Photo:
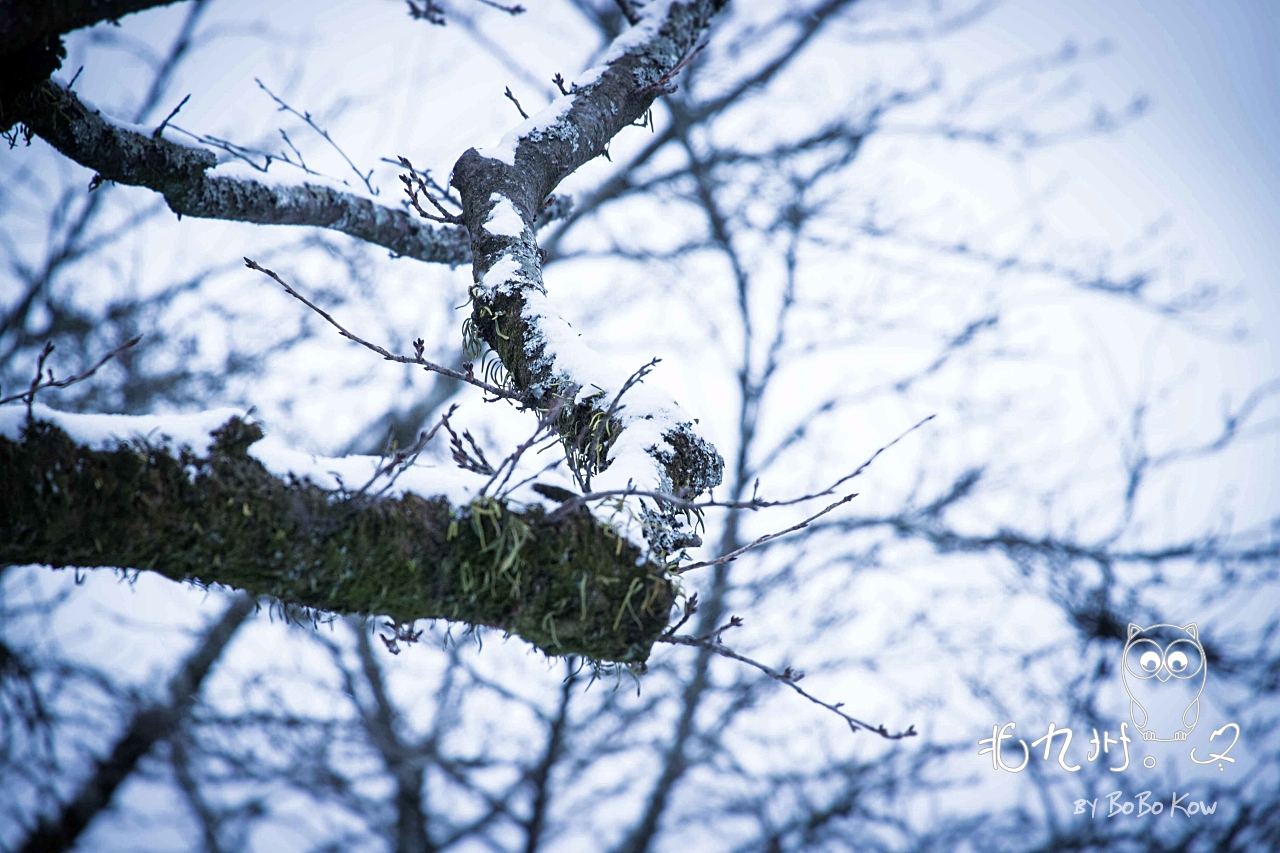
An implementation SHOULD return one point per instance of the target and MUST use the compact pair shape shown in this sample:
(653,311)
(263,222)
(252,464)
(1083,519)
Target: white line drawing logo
(1164,672)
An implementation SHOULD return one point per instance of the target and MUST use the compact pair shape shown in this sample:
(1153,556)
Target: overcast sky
(1209,151)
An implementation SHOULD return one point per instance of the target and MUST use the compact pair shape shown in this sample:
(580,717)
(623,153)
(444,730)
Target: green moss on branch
(568,586)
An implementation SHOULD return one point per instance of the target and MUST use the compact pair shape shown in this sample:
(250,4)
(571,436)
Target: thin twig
(856,471)
(787,676)
(401,460)
(306,117)
(754,503)
(419,182)
(38,385)
(465,460)
(512,99)
(690,608)
(663,85)
(546,426)
(389,356)
(155,134)
(733,555)
(591,444)
(245,154)
(513,10)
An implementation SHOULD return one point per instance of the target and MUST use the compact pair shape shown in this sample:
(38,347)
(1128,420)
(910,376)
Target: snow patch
(142,129)
(504,220)
(500,273)
(353,472)
(534,127)
(646,413)
(651,20)
(104,432)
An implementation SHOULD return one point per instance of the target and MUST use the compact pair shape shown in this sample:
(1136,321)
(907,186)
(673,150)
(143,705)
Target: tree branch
(23,22)
(177,172)
(568,586)
(509,307)
(787,676)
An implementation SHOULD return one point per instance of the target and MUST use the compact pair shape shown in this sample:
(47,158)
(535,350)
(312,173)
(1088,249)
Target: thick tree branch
(25,22)
(31,40)
(149,726)
(178,173)
(568,586)
(510,311)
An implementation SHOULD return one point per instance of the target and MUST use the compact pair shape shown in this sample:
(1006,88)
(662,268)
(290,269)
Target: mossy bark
(568,585)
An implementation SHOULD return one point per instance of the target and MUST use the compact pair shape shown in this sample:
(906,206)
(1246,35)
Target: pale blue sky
(1209,146)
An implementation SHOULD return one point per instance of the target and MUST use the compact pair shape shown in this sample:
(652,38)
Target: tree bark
(177,172)
(568,585)
(25,22)
(31,41)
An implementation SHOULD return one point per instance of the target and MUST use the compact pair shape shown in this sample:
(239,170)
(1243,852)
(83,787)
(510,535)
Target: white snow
(646,413)
(651,19)
(653,16)
(504,220)
(353,472)
(538,123)
(105,432)
(500,273)
(102,432)
(145,130)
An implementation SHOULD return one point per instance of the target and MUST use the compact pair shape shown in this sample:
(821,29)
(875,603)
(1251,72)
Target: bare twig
(663,85)
(155,134)
(247,155)
(733,555)
(461,455)
(546,428)
(402,459)
(856,471)
(421,182)
(306,117)
(690,608)
(389,356)
(427,11)
(513,10)
(787,676)
(755,503)
(512,99)
(38,384)
(590,439)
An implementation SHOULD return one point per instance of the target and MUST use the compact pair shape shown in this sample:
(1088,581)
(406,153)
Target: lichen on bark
(568,585)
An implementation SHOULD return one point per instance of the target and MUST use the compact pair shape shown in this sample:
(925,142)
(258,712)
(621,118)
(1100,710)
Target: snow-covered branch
(651,444)
(203,498)
(127,155)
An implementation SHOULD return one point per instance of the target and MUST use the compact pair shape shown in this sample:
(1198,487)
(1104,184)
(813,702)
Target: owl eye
(1144,658)
(1184,658)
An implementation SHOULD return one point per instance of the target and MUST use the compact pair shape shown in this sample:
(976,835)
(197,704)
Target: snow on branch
(650,444)
(203,498)
(130,155)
